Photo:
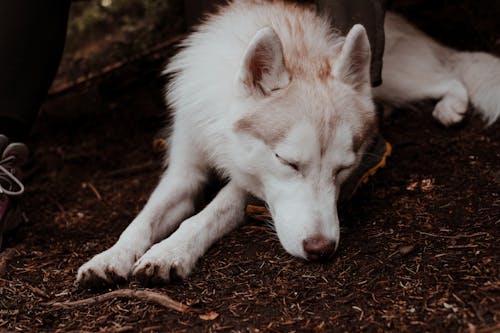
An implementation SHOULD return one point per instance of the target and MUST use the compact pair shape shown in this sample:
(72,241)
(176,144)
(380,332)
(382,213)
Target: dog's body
(268,96)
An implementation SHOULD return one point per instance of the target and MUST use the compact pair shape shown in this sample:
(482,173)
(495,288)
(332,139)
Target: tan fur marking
(325,71)
(327,127)
(264,127)
(289,24)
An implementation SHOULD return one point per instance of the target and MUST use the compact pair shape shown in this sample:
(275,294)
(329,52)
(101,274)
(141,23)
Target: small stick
(477,234)
(37,291)
(59,89)
(491,329)
(149,166)
(144,295)
(93,189)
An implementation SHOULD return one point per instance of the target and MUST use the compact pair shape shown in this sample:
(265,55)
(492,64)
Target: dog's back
(416,67)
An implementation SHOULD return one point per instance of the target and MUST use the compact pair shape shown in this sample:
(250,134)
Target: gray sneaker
(12,157)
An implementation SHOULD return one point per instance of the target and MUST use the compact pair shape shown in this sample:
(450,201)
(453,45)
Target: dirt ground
(419,244)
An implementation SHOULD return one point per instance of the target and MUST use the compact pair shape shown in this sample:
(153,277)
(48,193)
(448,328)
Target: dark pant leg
(370,13)
(32,34)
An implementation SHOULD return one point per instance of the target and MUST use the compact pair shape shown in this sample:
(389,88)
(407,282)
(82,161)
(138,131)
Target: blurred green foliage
(104,31)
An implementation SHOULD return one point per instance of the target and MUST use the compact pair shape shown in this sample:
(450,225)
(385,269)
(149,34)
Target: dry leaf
(209,316)
(404,250)
(160,145)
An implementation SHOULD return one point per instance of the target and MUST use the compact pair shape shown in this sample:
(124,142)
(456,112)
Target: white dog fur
(270,97)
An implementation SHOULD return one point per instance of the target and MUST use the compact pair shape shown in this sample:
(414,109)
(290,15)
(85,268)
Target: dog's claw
(109,267)
(173,275)
(91,280)
(149,275)
(115,277)
(161,266)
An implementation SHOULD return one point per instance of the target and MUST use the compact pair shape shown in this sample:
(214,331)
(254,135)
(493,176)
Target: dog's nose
(319,248)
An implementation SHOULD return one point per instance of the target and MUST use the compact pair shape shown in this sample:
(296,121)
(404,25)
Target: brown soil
(419,248)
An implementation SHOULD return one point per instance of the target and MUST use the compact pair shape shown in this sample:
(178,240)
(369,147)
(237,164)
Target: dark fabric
(370,13)
(195,9)
(32,34)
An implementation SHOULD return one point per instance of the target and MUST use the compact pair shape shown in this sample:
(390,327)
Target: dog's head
(301,134)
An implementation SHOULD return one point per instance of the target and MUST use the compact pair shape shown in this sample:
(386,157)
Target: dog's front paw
(112,266)
(450,111)
(164,262)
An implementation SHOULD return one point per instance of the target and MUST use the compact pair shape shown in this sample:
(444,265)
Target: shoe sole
(19,151)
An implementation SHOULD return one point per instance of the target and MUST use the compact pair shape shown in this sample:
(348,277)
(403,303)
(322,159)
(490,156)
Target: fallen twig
(37,291)
(144,295)
(455,236)
(9,312)
(491,329)
(93,189)
(129,171)
(64,87)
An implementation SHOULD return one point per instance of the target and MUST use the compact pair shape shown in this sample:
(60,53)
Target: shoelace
(9,183)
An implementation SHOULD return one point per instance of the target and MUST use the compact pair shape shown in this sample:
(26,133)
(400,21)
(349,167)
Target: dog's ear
(353,64)
(263,70)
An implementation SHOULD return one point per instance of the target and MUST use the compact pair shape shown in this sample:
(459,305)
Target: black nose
(319,248)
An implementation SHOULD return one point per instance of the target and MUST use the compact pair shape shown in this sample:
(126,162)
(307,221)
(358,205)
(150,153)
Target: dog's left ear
(263,69)
(353,64)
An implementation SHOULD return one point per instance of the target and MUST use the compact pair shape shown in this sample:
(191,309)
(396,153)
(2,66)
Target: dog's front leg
(177,255)
(171,202)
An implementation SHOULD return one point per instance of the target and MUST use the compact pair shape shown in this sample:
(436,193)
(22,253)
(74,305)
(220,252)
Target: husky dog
(280,105)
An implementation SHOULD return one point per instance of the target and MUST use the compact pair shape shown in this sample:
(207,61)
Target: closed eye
(292,165)
(341,169)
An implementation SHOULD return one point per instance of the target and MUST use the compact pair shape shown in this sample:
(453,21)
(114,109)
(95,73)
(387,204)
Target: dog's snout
(319,248)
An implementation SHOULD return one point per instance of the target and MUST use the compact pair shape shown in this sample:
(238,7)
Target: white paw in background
(450,111)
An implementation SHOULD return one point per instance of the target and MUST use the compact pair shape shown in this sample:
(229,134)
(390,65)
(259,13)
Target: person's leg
(370,13)
(32,34)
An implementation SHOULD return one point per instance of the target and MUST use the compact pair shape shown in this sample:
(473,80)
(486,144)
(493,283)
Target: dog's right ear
(353,65)
(263,70)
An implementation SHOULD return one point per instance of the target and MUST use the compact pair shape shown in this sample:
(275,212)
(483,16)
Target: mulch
(419,245)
